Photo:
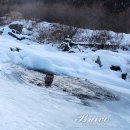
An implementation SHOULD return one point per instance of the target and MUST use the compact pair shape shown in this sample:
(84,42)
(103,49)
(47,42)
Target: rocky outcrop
(115,68)
(124,76)
(17,27)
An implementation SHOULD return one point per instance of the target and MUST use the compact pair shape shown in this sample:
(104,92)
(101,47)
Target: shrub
(106,40)
(100,37)
(54,33)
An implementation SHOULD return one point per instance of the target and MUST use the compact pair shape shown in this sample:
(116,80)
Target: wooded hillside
(93,14)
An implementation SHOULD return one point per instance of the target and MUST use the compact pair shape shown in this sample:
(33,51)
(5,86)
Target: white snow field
(24,106)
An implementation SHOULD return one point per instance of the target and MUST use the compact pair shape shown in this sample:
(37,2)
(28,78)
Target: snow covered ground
(28,107)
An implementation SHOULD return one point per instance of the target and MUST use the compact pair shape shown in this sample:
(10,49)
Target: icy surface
(25,106)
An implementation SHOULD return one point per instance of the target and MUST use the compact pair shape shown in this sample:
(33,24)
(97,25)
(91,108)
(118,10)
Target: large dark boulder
(124,76)
(115,68)
(1,31)
(17,27)
(98,61)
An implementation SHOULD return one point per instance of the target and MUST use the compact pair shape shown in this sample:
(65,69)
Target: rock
(39,84)
(84,59)
(64,90)
(124,76)
(115,68)
(94,50)
(1,32)
(18,49)
(13,31)
(17,27)
(15,49)
(16,32)
(71,51)
(98,61)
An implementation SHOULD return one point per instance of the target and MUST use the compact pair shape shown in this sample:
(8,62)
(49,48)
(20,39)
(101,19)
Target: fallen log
(13,35)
